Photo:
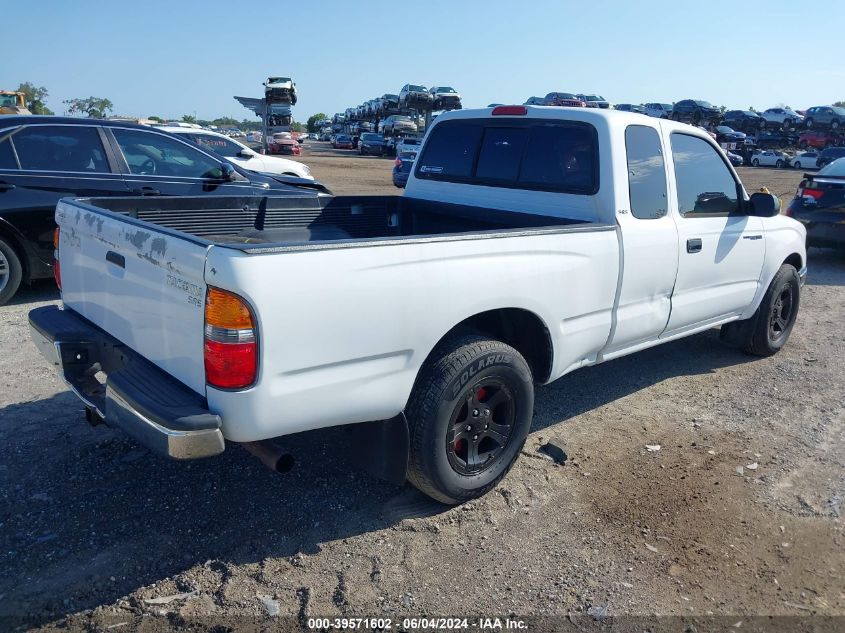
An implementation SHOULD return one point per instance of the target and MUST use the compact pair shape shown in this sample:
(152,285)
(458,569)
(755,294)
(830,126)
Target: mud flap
(381,448)
(738,333)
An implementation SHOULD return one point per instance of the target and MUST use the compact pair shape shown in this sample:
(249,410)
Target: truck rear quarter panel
(343,332)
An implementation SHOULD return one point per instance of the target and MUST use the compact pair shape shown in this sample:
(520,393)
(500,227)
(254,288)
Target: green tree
(156,118)
(189,118)
(35,96)
(312,121)
(94,107)
(296,126)
(839,104)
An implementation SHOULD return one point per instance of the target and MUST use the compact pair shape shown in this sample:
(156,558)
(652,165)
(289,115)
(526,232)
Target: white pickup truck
(530,241)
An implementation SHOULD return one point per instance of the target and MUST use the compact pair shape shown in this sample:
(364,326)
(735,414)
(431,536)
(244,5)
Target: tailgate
(139,282)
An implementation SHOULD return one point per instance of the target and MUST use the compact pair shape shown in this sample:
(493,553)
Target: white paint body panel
(344,332)
(154,305)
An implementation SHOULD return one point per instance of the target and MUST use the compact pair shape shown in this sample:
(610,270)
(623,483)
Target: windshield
(371,137)
(410,141)
(724,129)
(836,168)
(416,89)
(444,89)
(8,100)
(704,104)
(277,80)
(839,111)
(403,118)
(342,138)
(594,98)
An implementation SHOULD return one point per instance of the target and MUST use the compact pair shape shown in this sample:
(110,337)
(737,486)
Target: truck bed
(280,223)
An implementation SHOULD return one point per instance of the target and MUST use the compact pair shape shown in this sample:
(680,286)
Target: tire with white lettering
(468,417)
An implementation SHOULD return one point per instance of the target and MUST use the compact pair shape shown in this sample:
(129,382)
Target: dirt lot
(738,514)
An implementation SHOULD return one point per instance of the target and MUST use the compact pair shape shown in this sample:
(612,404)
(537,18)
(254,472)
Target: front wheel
(834,125)
(468,416)
(755,162)
(808,123)
(797,164)
(765,333)
(778,163)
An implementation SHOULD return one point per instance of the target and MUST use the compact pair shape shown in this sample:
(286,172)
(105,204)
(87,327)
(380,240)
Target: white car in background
(658,110)
(241,154)
(782,116)
(408,147)
(769,158)
(806,160)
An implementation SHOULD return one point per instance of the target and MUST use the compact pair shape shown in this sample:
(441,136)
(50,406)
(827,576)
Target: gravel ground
(737,514)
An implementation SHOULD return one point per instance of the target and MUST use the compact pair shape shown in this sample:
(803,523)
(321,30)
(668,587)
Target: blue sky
(175,58)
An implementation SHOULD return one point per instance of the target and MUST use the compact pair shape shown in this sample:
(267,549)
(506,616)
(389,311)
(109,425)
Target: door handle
(694,245)
(146,191)
(116,258)
(6,186)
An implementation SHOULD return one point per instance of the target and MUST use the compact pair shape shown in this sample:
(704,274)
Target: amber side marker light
(231,346)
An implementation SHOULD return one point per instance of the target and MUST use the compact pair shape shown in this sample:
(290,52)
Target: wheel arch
(795,260)
(521,329)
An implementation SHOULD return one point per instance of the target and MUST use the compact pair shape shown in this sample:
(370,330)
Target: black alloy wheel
(481,426)
(782,314)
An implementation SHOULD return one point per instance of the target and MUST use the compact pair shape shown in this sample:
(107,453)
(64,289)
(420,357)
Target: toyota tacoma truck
(530,242)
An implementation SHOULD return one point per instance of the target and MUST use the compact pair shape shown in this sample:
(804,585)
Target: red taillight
(398,162)
(514,110)
(230,365)
(815,194)
(57,270)
(231,348)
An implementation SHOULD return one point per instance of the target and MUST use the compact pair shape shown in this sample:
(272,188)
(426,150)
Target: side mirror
(246,153)
(228,173)
(764,205)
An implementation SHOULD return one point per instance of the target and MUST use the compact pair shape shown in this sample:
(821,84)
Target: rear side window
(513,154)
(7,156)
(74,148)
(646,172)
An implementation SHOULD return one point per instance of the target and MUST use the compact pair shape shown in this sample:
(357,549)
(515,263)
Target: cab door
(721,248)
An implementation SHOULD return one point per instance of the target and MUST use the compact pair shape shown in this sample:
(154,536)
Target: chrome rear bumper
(124,389)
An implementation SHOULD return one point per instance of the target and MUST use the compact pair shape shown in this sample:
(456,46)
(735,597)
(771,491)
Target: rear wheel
(797,164)
(778,163)
(11,272)
(468,416)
